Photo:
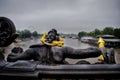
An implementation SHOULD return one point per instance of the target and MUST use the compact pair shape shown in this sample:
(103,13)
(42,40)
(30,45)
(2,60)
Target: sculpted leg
(81,53)
(59,54)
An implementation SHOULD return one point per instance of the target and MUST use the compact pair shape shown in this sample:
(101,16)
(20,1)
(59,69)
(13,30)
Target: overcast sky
(67,16)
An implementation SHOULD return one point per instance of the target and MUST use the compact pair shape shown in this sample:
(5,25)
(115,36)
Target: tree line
(27,34)
(105,31)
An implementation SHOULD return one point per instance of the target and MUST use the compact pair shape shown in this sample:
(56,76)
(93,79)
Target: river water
(75,43)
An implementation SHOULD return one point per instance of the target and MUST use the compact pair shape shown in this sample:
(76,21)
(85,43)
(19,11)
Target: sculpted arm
(24,56)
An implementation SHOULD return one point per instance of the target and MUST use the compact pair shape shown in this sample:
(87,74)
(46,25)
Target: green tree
(117,32)
(108,30)
(26,33)
(97,32)
(90,34)
(35,34)
(81,34)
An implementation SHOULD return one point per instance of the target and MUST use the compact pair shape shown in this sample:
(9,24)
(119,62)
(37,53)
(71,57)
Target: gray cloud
(70,16)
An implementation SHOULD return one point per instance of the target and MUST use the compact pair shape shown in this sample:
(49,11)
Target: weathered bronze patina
(7,32)
(54,55)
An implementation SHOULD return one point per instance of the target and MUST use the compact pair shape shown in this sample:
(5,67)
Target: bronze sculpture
(47,54)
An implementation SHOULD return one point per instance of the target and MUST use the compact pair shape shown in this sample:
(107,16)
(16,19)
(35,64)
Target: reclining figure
(48,53)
